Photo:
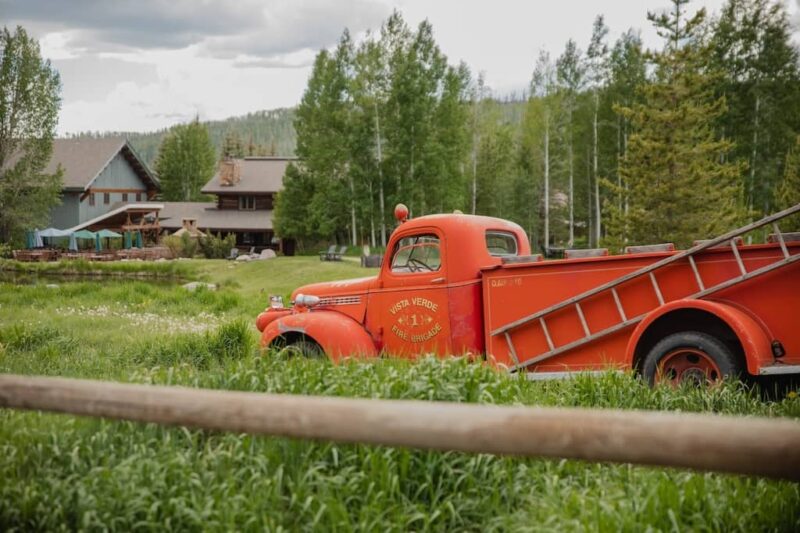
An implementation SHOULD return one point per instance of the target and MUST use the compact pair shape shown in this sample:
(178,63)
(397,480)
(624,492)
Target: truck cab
(425,299)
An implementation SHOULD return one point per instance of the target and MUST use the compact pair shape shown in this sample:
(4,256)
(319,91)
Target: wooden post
(751,446)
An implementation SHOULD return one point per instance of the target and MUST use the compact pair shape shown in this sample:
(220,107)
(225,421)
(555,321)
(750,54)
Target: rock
(194,285)
(267,253)
(243,258)
(52,285)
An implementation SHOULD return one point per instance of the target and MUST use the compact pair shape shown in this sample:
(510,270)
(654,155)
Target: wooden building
(99,175)
(244,191)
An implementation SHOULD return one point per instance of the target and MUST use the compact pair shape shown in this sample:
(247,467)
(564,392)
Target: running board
(778,370)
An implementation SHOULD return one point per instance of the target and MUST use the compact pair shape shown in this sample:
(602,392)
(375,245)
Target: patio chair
(337,256)
(233,255)
(328,254)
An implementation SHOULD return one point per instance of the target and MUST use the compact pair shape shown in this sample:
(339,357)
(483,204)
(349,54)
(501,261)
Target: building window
(91,199)
(247,203)
(106,198)
(138,197)
(124,197)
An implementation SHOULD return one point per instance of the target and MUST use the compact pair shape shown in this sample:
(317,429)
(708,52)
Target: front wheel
(690,357)
(303,348)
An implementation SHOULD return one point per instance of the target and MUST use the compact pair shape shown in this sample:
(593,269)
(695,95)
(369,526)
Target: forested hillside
(262,133)
(613,144)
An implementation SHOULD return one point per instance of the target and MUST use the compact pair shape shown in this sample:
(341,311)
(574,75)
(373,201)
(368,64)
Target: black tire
(304,348)
(698,344)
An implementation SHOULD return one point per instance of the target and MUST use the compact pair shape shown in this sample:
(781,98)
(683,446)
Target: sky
(142,65)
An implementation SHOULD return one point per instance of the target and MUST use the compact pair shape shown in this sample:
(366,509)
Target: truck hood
(348,287)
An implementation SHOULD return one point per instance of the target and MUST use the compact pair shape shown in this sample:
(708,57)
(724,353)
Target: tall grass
(61,472)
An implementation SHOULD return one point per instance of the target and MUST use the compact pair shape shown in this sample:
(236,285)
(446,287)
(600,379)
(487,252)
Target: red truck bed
(515,291)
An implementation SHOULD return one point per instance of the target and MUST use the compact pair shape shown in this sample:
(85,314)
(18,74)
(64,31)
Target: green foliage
(378,124)
(63,472)
(186,161)
(183,245)
(678,186)
(788,193)
(752,49)
(217,247)
(29,102)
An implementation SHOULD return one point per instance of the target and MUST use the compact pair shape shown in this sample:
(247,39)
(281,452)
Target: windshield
(419,253)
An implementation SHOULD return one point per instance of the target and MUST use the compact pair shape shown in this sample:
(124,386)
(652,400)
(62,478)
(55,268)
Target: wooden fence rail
(751,446)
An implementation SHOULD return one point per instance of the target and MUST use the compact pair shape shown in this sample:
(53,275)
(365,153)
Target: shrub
(183,246)
(216,247)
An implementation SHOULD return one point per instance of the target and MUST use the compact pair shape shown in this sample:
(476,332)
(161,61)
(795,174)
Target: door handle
(437,281)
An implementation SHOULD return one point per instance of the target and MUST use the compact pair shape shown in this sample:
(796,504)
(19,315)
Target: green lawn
(63,472)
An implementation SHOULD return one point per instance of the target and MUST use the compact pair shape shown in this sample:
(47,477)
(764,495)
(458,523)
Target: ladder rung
(511,349)
(738,256)
(619,304)
(781,240)
(657,289)
(583,319)
(696,274)
(547,334)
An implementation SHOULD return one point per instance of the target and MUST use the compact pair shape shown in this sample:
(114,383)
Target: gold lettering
(400,333)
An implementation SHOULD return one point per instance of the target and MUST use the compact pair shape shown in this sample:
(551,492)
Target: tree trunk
(381,200)
(353,212)
(546,183)
(752,189)
(597,213)
(571,184)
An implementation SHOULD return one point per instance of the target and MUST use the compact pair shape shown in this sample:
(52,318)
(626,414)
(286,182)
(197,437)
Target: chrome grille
(340,300)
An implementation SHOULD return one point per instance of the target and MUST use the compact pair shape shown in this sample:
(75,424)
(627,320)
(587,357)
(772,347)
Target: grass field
(62,472)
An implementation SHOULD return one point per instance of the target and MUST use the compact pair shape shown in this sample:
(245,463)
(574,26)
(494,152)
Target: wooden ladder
(649,271)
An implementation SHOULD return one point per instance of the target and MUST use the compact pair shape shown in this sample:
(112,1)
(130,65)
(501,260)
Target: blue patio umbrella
(128,239)
(98,245)
(29,239)
(139,239)
(73,243)
(37,239)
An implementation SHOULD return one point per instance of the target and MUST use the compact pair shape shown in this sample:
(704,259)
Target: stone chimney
(229,172)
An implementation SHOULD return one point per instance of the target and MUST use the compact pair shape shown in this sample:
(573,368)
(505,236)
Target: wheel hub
(688,365)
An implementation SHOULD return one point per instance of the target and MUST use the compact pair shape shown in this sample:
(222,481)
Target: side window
(500,243)
(420,253)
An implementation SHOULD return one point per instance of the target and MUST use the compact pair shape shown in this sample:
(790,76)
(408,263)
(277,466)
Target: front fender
(751,334)
(339,335)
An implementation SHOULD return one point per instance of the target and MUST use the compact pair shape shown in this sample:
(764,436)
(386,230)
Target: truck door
(410,310)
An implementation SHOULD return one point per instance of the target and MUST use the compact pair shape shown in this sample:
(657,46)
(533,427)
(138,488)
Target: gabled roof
(84,159)
(210,218)
(259,175)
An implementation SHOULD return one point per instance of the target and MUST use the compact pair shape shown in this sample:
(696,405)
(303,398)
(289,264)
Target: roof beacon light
(401,213)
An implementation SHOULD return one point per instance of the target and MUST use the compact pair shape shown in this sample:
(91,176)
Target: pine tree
(678,184)
(627,66)
(788,192)
(232,146)
(752,47)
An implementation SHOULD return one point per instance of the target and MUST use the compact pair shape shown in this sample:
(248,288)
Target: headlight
(306,300)
(276,302)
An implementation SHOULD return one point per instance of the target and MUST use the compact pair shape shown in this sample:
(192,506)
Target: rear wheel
(690,357)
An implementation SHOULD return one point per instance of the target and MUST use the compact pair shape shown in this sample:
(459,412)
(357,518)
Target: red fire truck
(468,285)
